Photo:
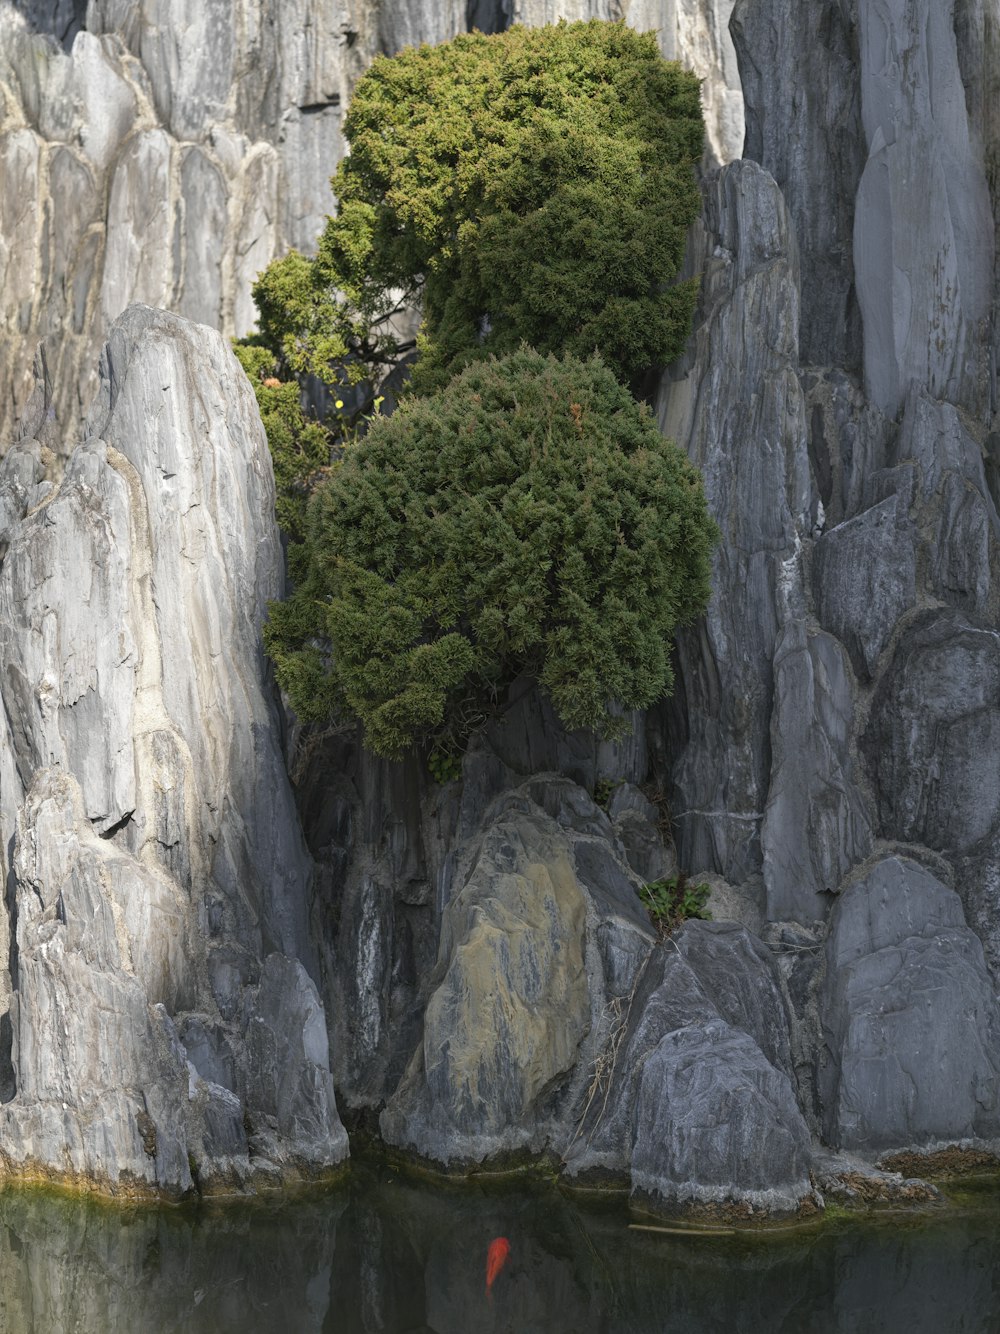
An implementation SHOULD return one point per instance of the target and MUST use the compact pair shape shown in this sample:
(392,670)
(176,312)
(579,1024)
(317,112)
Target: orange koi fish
(496,1258)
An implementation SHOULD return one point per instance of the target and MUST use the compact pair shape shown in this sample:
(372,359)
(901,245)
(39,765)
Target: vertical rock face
(165,153)
(910,1016)
(511,1006)
(843,697)
(812,144)
(887,516)
(162,155)
(883,168)
(740,411)
(477,965)
(159,878)
(923,227)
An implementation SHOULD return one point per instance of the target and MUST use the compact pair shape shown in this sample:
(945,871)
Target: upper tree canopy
(533,186)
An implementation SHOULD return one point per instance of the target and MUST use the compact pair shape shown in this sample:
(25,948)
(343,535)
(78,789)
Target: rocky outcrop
(158,879)
(812,144)
(840,699)
(694,1099)
(741,412)
(911,1021)
(510,1005)
(718,1125)
(141,163)
(923,225)
(556,1023)
(473,966)
(165,154)
(831,737)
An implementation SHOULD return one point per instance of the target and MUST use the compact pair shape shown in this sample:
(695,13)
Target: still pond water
(381,1253)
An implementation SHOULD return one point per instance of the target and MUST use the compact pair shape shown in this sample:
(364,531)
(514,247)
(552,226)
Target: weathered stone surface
(697,33)
(798,64)
(848,444)
(933,740)
(289,1095)
(910,1019)
(141,768)
(816,823)
(393,849)
(737,972)
(865,578)
(101,944)
(511,1006)
(379,894)
(739,411)
(640,826)
(717,1125)
(867,133)
(923,229)
(542,940)
(957,514)
(529,738)
(743,904)
(402,24)
(711,999)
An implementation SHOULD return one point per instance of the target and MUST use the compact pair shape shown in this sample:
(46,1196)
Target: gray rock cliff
(158,882)
(832,734)
(472,965)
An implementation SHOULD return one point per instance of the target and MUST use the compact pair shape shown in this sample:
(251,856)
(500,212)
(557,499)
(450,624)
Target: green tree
(535,185)
(527,518)
(300,445)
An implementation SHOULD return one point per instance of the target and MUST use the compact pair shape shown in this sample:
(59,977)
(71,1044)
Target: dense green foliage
(300,446)
(527,518)
(535,185)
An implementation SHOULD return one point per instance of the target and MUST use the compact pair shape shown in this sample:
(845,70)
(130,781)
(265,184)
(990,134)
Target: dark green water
(384,1254)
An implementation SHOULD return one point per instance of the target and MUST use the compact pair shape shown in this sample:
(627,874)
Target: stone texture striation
(473,965)
(840,700)
(159,881)
(911,1021)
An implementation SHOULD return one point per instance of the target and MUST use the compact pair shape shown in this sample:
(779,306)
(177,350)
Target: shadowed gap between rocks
(61,19)
(489,16)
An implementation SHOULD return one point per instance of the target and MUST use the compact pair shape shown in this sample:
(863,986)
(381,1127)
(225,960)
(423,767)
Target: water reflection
(384,1254)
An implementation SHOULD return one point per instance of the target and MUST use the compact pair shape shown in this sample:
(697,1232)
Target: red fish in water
(496,1258)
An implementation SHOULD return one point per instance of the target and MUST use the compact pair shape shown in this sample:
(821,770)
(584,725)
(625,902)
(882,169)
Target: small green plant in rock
(674,900)
(604,790)
(444,764)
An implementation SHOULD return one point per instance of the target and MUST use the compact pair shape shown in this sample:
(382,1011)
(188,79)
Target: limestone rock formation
(911,1020)
(165,153)
(157,870)
(473,965)
(510,1005)
(161,155)
(833,728)
(841,697)
(695,1099)
(717,1124)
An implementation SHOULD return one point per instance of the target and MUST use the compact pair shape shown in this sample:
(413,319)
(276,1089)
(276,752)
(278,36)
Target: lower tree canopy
(529,517)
